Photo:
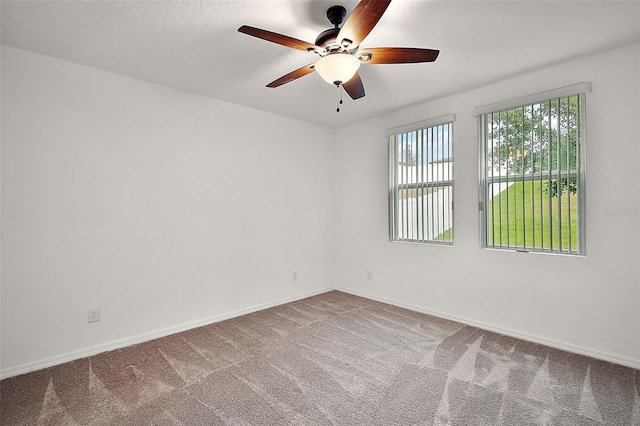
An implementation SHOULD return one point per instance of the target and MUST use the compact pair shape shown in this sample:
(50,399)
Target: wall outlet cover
(94,315)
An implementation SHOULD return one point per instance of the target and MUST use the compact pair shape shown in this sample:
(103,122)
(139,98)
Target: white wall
(587,304)
(168,209)
(163,208)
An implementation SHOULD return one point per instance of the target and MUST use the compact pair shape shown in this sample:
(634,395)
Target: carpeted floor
(329,359)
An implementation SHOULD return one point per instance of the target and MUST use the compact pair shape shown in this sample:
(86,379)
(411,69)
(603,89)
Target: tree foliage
(536,139)
(408,157)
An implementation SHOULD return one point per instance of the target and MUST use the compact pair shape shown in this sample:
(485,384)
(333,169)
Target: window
(532,173)
(421,182)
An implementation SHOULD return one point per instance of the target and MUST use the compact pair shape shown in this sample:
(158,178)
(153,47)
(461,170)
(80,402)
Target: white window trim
(578,88)
(583,87)
(443,119)
(392,159)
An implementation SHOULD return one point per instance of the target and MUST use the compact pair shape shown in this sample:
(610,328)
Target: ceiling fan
(339,48)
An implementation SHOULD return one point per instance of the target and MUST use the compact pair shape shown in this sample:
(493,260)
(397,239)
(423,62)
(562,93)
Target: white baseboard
(140,338)
(121,343)
(628,362)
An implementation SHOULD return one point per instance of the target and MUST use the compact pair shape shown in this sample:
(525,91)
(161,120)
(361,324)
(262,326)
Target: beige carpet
(329,359)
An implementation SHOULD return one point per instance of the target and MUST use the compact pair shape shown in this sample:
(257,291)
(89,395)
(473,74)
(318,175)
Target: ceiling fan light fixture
(337,68)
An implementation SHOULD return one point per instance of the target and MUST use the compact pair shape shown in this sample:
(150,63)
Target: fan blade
(300,72)
(359,24)
(354,87)
(396,55)
(279,39)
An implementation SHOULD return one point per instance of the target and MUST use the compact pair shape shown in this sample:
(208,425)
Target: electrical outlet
(94,315)
(369,275)
(294,276)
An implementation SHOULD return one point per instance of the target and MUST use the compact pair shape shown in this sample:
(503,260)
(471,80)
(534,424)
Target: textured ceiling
(195,46)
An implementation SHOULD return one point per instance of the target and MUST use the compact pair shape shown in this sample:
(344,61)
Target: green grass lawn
(524,216)
(446,236)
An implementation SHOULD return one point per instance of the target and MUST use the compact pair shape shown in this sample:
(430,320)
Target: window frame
(580,90)
(392,135)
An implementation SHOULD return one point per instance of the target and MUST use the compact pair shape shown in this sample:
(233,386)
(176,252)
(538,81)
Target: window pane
(533,177)
(421,185)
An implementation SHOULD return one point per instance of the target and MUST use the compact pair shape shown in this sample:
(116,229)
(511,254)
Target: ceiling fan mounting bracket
(336,15)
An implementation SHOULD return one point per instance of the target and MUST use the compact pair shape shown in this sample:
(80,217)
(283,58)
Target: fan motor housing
(327,37)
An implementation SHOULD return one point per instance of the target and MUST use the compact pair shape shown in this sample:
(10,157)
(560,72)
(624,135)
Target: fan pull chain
(339,86)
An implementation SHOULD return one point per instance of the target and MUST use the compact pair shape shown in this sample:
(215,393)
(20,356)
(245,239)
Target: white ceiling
(195,46)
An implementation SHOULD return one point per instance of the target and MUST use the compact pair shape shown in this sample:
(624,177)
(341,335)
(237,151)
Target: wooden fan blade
(364,17)
(300,72)
(396,55)
(279,39)
(354,87)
